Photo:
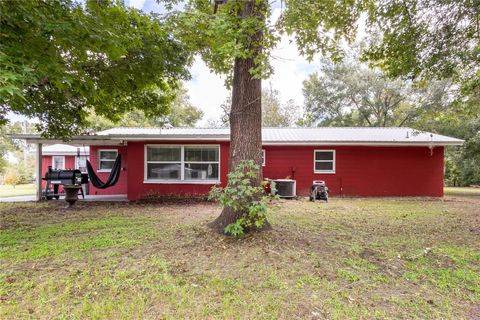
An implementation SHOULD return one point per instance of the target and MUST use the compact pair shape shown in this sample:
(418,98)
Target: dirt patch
(344,259)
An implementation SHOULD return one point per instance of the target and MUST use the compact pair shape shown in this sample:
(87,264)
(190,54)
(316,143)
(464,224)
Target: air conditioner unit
(286,188)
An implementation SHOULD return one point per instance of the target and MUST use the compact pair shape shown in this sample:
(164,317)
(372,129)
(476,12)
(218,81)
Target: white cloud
(206,90)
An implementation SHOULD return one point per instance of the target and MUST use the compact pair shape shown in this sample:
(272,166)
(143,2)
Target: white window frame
(100,159)
(182,164)
(264,157)
(63,162)
(333,160)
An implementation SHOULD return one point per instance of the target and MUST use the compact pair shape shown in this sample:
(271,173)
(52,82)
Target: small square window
(324,161)
(106,159)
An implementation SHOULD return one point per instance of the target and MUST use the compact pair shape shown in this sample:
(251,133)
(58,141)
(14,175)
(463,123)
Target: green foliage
(319,26)
(244,197)
(19,149)
(12,177)
(225,35)
(274,113)
(181,114)
(426,38)
(350,94)
(460,119)
(60,60)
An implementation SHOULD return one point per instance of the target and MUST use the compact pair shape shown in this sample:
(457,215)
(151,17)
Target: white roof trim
(399,136)
(64,150)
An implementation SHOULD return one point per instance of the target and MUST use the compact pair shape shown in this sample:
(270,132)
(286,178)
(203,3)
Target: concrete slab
(18,199)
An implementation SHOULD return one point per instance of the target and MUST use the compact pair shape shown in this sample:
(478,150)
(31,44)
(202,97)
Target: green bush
(244,197)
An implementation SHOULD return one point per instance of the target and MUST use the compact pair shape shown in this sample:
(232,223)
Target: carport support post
(38,172)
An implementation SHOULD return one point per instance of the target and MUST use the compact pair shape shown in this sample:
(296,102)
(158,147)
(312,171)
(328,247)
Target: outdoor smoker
(55,178)
(319,191)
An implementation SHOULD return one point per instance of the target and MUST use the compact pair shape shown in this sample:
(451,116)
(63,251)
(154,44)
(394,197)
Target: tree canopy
(219,34)
(274,112)
(61,60)
(182,114)
(426,39)
(350,94)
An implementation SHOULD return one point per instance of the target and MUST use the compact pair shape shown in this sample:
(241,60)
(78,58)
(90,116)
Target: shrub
(12,177)
(244,197)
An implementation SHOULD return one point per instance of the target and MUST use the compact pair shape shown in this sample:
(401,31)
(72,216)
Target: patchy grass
(350,258)
(7,191)
(455,191)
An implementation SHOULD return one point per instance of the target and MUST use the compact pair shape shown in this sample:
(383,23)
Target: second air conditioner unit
(286,188)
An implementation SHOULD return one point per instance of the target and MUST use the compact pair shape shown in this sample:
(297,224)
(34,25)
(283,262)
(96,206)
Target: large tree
(235,37)
(351,94)
(60,60)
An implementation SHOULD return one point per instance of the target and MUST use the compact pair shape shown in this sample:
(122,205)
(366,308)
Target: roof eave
(122,139)
(143,137)
(85,140)
(365,143)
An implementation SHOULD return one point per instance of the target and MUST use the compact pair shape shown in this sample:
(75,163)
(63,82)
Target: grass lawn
(19,190)
(452,191)
(350,258)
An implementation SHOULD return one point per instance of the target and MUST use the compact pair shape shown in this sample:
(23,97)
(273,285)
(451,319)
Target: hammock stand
(112,178)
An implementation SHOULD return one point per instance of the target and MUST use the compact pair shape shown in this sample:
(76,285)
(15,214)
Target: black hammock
(112,178)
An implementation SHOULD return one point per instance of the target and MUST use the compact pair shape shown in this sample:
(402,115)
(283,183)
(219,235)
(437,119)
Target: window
(106,159)
(58,162)
(263,158)
(324,161)
(182,163)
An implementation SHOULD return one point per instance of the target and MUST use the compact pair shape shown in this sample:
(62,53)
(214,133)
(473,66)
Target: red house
(353,161)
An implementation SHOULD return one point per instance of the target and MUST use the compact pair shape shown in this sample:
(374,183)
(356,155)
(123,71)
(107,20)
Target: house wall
(47,161)
(137,188)
(362,170)
(121,186)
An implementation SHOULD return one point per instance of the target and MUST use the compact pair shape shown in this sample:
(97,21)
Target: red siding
(137,188)
(362,171)
(121,186)
(47,161)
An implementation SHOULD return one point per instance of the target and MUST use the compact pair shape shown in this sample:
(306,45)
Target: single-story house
(352,161)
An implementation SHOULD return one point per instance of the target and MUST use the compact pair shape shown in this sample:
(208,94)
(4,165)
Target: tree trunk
(245,121)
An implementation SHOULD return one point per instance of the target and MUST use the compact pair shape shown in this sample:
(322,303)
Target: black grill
(55,178)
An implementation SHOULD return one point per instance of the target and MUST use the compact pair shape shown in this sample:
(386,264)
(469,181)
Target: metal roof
(64,149)
(320,135)
(270,136)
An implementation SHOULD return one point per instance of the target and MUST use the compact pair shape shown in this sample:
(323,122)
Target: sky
(207,90)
